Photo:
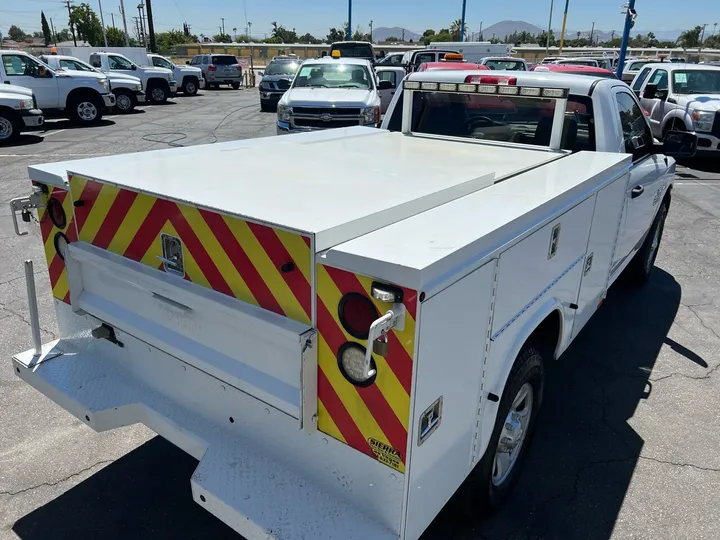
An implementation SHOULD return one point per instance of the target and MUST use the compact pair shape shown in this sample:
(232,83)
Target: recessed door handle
(636,192)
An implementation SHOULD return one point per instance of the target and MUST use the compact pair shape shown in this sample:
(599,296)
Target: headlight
(371,115)
(138,87)
(703,120)
(27,104)
(283,112)
(103,83)
(265,85)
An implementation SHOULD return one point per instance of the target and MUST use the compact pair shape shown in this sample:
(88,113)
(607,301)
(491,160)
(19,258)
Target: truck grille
(716,125)
(334,111)
(321,124)
(283,84)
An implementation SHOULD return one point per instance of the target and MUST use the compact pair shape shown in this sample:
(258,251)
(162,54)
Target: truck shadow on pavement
(572,487)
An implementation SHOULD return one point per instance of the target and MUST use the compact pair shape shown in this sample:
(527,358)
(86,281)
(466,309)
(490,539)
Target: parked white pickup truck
(158,83)
(126,88)
(82,97)
(17,112)
(189,79)
(345,345)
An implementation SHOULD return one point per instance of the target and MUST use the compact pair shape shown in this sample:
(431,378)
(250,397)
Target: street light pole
(462,22)
(562,34)
(629,20)
(371,36)
(702,38)
(547,43)
(592,32)
(122,13)
(102,23)
(349,28)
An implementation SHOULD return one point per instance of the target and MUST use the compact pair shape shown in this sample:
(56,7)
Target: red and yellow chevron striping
(373,419)
(48,230)
(255,263)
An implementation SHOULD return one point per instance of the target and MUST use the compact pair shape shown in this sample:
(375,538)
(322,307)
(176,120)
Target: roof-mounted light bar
(501,89)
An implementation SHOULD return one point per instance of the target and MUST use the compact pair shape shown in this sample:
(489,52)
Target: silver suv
(219,69)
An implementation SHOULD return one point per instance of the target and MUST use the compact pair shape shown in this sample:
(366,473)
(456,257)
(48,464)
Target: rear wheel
(236,85)
(264,107)
(9,127)
(640,268)
(159,93)
(86,110)
(124,100)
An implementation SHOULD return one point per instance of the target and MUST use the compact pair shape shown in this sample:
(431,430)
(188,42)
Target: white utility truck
(126,88)
(189,78)
(81,96)
(474,51)
(343,346)
(18,111)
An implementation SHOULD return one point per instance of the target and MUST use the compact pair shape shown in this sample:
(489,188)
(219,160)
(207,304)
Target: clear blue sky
(316,16)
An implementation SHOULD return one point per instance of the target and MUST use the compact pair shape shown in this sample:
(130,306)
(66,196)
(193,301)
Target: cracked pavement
(626,446)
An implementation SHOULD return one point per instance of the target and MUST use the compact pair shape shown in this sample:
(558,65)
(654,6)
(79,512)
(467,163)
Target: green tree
(392,39)
(16,33)
(242,39)
(308,38)
(221,38)
(542,39)
(63,35)
(116,37)
(690,38)
(87,25)
(443,35)
(359,35)
(165,41)
(336,35)
(282,34)
(46,34)
(712,42)
(455,29)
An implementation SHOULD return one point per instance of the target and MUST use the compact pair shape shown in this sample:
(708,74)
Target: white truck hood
(80,74)
(699,102)
(12,89)
(330,97)
(189,70)
(162,72)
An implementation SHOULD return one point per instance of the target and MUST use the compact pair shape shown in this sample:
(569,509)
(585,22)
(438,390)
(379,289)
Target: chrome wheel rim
(6,128)
(654,245)
(158,94)
(190,88)
(123,102)
(87,111)
(512,436)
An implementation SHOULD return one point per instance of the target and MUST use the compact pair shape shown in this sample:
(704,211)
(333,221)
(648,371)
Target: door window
(635,129)
(205,60)
(640,79)
(424,57)
(118,62)
(195,61)
(387,76)
(660,77)
(17,65)
(161,62)
(95,61)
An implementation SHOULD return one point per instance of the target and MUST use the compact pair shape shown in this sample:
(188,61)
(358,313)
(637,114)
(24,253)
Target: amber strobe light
(357,313)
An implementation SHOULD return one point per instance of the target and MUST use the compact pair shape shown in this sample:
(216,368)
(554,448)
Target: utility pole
(72,28)
(592,32)
(402,39)
(52,29)
(480,36)
(564,26)
(112,18)
(547,43)
(151,26)
(702,38)
(630,15)
(371,36)
(349,28)
(714,28)
(462,22)
(122,13)
(222,28)
(143,41)
(102,23)
(612,36)
(250,31)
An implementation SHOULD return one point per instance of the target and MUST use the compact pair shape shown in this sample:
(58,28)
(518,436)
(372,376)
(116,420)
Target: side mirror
(134,67)
(384,85)
(651,91)
(679,144)
(187,62)
(260,74)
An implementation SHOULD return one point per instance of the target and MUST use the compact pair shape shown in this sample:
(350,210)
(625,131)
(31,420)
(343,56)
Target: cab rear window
(354,50)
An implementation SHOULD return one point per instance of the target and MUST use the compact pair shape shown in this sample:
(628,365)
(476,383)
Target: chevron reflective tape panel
(373,419)
(54,231)
(267,267)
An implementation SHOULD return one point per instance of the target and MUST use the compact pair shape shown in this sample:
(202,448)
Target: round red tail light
(57,213)
(357,313)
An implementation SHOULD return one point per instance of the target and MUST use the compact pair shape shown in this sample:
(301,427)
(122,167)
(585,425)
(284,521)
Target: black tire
(236,86)
(125,100)
(158,93)
(484,490)
(264,107)
(190,86)
(639,270)
(10,126)
(674,125)
(86,109)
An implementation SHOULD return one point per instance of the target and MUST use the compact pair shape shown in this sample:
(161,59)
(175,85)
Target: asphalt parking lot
(627,445)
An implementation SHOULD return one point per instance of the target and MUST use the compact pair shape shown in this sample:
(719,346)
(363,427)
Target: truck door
(22,70)
(657,107)
(118,64)
(392,76)
(647,172)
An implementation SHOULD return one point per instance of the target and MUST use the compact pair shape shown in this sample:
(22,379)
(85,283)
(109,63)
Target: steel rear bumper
(237,479)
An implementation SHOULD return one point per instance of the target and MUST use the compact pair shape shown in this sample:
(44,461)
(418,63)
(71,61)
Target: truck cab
(353,49)
(158,83)
(81,96)
(18,112)
(189,79)
(126,88)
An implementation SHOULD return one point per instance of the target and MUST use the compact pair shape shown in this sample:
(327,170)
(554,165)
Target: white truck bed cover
(357,181)
(426,250)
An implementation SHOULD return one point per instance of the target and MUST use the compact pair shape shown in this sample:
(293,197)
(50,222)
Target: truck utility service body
(336,346)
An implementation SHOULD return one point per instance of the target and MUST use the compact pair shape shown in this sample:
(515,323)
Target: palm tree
(690,38)
(455,29)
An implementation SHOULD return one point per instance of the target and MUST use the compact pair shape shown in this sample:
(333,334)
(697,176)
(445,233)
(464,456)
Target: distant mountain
(382,33)
(505,28)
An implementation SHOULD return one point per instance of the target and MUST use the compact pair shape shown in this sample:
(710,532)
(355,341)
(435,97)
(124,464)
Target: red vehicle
(430,66)
(575,69)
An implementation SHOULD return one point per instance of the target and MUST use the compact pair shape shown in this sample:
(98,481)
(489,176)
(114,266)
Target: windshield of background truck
(506,119)
(74,65)
(510,65)
(696,82)
(353,50)
(334,75)
(118,62)
(282,68)
(161,62)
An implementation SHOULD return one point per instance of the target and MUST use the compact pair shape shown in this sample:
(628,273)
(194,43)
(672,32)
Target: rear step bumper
(240,482)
